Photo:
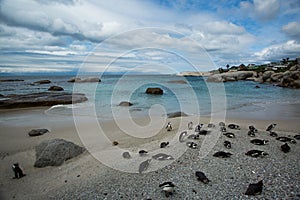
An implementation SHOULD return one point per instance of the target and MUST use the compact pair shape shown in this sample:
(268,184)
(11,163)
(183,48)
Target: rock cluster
(231,76)
(289,78)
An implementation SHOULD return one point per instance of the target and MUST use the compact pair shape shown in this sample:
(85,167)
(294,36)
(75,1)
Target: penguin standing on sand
(285,148)
(201,177)
(168,188)
(227,144)
(271,127)
(164,144)
(254,188)
(169,126)
(17,170)
(190,125)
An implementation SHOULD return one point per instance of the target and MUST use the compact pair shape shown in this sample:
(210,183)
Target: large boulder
(42,82)
(231,76)
(276,77)
(158,91)
(267,74)
(86,80)
(125,103)
(290,79)
(176,114)
(55,152)
(37,132)
(55,88)
(41,99)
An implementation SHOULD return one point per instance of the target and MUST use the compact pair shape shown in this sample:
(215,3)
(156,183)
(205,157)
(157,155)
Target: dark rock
(176,114)
(55,88)
(178,81)
(10,80)
(37,132)
(257,86)
(125,103)
(42,82)
(154,91)
(41,99)
(55,152)
(86,80)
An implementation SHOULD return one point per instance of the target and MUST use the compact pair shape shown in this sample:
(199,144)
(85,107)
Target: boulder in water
(158,91)
(55,88)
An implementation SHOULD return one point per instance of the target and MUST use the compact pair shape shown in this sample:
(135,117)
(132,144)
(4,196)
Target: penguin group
(190,139)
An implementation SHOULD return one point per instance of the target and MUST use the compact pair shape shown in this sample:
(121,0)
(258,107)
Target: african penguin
(285,148)
(271,127)
(168,188)
(256,153)
(227,144)
(229,135)
(201,177)
(259,142)
(286,139)
(222,154)
(17,170)
(164,144)
(254,188)
(233,126)
(169,126)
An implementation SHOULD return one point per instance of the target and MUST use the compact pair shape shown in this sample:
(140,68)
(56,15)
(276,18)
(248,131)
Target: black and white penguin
(285,148)
(198,128)
(233,126)
(17,171)
(210,125)
(221,124)
(259,142)
(256,153)
(271,127)
(286,139)
(192,145)
(254,188)
(297,137)
(168,188)
(201,177)
(143,152)
(194,137)
(251,133)
(222,129)
(222,154)
(164,144)
(227,144)
(126,155)
(169,126)
(162,156)
(190,125)
(203,132)
(182,136)
(273,134)
(252,128)
(229,135)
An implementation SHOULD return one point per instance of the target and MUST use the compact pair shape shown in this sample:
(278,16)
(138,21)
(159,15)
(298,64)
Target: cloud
(292,29)
(263,10)
(277,52)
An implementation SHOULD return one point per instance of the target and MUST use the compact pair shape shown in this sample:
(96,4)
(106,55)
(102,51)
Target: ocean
(191,95)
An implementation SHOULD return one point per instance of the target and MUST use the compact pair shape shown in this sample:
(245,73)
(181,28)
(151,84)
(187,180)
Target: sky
(147,36)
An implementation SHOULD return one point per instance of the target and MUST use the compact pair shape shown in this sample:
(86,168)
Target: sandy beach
(102,173)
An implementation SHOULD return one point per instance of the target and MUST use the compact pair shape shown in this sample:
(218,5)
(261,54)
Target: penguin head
(266,141)
(293,141)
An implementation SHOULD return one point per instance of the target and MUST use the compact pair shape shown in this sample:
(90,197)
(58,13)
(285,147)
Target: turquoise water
(196,97)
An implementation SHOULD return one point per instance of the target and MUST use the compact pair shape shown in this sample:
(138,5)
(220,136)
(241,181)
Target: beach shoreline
(16,145)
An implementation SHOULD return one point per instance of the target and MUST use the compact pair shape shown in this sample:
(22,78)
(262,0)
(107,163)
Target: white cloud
(292,29)
(262,9)
(276,52)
